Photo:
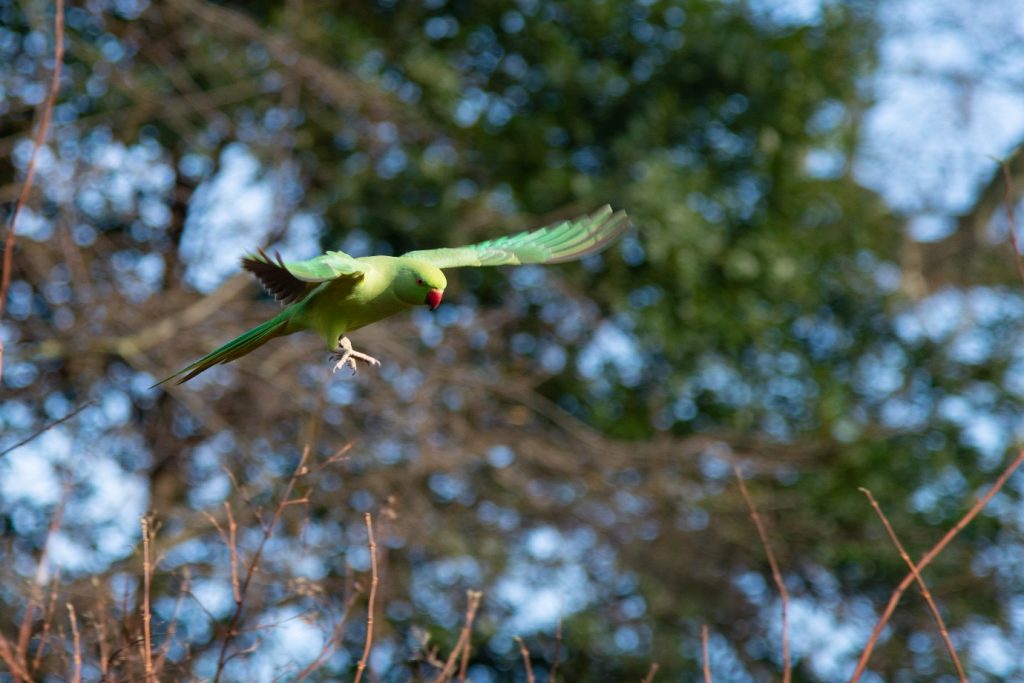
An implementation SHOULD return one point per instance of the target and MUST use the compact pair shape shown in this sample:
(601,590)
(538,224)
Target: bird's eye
(419,281)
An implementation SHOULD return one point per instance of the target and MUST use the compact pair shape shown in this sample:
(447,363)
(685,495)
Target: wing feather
(557,243)
(291,282)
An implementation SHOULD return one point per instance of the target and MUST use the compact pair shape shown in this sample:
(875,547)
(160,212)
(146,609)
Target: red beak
(434,299)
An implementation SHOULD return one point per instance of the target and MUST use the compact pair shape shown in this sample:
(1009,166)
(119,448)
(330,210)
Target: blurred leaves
(560,438)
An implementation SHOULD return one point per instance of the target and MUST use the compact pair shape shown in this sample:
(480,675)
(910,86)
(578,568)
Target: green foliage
(567,431)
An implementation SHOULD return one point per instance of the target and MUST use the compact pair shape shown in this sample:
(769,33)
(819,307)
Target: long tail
(237,347)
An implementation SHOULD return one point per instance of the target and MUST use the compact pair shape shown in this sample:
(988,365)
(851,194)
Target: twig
(370,602)
(787,670)
(165,649)
(35,599)
(927,559)
(48,427)
(243,588)
(8,657)
(76,671)
(921,584)
(526,660)
(30,172)
(651,673)
(147,580)
(558,650)
(47,621)
(462,644)
(1011,217)
(336,637)
(704,658)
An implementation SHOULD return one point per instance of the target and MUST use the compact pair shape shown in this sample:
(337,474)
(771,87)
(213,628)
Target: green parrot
(335,293)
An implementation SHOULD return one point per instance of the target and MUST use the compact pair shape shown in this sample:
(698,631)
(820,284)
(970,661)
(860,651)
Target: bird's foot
(344,355)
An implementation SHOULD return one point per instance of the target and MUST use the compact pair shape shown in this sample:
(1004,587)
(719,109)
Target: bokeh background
(819,289)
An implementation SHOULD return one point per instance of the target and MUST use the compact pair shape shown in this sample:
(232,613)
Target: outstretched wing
(558,243)
(290,282)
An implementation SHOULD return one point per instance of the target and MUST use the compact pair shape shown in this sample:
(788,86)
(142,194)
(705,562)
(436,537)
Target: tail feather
(236,348)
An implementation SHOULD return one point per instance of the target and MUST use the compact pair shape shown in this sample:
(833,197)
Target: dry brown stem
(243,586)
(47,621)
(172,628)
(35,598)
(8,657)
(787,669)
(47,427)
(462,646)
(927,559)
(530,678)
(943,631)
(331,643)
(147,615)
(705,660)
(370,602)
(558,650)
(651,673)
(30,172)
(76,670)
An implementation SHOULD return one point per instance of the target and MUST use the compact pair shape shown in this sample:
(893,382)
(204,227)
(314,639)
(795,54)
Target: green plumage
(335,293)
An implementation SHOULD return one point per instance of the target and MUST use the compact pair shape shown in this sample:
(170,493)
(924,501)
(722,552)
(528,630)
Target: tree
(561,439)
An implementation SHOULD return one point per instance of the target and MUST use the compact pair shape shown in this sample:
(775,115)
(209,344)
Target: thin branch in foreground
(8,657)
(172,628)
(147,615)
(558,649)
(76,671)
(705,660)
(651,673)
(894,600)
(370,602)
(526,660)
(787,669)
(35,598)
(462,646)
(243,587)
(47,427)
(47,621)
(943,631)
(472,606)
(337,634)
(30,172)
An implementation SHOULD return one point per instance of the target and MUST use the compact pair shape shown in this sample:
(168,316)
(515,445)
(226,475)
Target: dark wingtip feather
(274,276)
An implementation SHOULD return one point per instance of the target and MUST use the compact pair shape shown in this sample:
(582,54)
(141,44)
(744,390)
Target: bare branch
(530,678)
(173,627)
(47,621)
(927,559)
(329,82)
(8,657)
(147,581)
(48,427)
(243,588)
(332,642)
(705,660)
(787,670)
(651,673)
(921,584)
(370,602)
(558,650)
(76,671)
(40,138)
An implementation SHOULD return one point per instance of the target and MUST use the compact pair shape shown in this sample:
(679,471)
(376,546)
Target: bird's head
(421,283)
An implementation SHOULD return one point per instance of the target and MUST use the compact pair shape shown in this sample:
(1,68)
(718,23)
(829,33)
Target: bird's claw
(346,355)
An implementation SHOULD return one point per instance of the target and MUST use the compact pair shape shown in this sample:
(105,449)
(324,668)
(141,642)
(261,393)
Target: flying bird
(334,293)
